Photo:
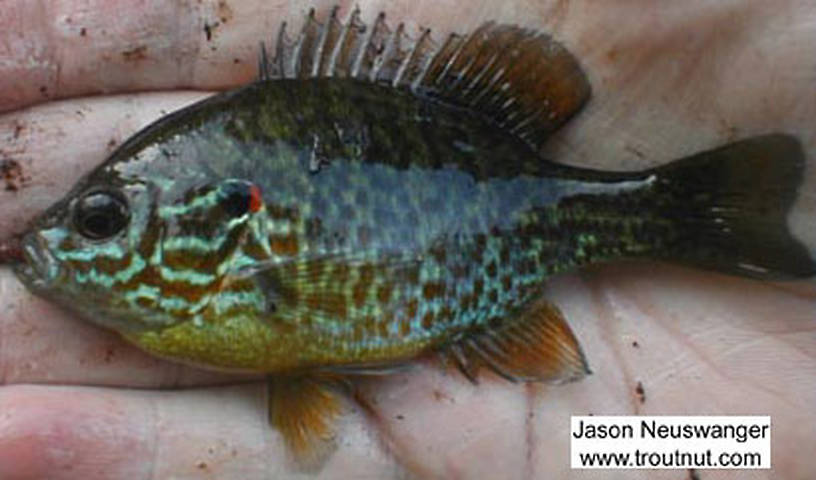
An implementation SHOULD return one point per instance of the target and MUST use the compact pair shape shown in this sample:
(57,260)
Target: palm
(667,82)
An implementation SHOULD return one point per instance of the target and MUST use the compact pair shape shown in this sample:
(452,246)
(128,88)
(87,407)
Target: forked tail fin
(730,207)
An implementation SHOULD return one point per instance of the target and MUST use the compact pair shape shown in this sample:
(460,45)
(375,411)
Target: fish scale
(450,233)
(374,198)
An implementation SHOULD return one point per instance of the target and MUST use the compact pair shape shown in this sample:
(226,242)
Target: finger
(93,131)
(62,49)
(92,433)
(86,137)
(715,345)
(51,433)
(438,425)
(70,48)
(690,78)
(679,326)
(695,343)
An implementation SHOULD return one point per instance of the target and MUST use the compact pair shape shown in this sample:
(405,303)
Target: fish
(373,198)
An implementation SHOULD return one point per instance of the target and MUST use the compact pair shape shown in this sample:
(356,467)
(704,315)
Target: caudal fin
(730,207)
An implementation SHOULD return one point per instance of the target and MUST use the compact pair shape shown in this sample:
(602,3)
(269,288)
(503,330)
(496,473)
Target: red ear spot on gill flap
(239,197)
(255,199)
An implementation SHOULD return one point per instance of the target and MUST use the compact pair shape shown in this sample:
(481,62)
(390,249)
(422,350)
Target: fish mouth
(39,267)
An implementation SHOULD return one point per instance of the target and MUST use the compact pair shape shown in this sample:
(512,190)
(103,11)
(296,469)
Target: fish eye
(99,215)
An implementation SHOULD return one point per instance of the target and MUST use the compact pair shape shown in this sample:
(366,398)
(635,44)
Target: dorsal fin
(520,79)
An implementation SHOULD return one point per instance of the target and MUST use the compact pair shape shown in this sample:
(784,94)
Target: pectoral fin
(303,409)
(537,345)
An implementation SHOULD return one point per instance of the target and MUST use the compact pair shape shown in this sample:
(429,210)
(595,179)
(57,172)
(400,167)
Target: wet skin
(672,83)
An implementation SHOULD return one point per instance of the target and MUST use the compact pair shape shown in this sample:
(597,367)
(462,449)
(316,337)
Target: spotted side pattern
(374,196)
(390,223)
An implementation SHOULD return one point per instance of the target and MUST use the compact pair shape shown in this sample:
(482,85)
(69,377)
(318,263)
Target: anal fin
(537,345)
(303,409)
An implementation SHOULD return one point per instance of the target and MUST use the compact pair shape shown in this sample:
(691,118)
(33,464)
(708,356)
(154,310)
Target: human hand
(668,81)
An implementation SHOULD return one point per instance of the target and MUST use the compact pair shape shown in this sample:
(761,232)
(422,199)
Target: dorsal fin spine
(453,55)
(377,43)
(517,78)
(389,45)
(342,38)
(355,69)
(336,30)
(423,39)
(294,66)
(405,62)
(279,51)
(313,33)
(321,42)
(263,64)
(393,56)
(350,45)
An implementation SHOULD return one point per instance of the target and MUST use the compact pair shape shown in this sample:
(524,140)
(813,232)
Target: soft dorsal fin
(536,345)
(520,79)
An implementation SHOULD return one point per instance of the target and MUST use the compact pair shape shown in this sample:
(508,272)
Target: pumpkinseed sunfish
(371,199)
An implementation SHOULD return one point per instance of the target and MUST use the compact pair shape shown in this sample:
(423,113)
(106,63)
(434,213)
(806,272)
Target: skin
(669,79)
